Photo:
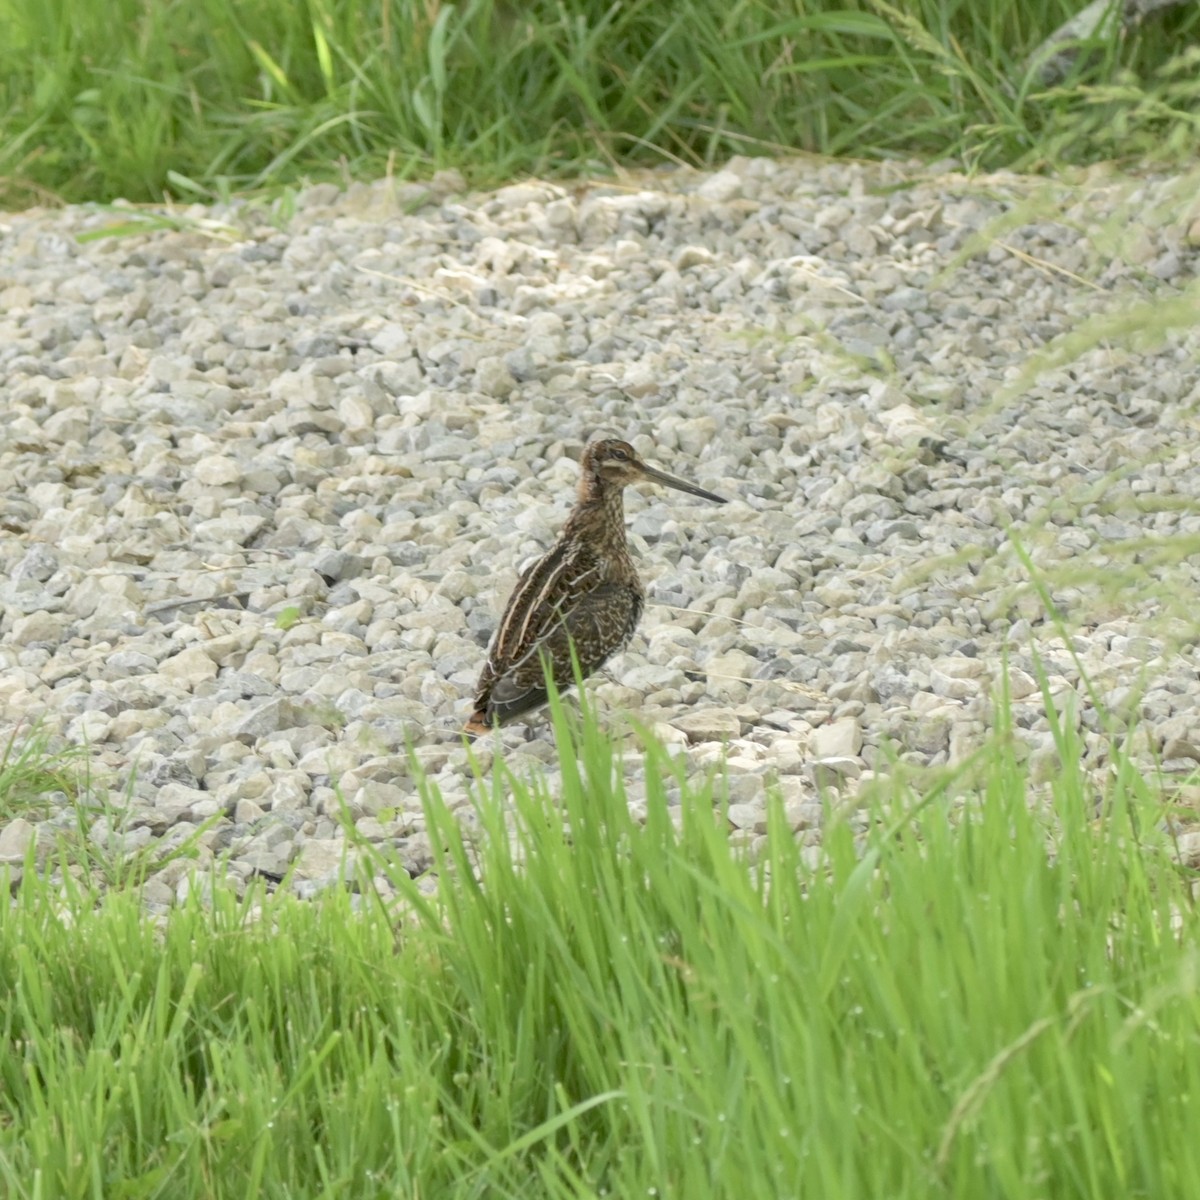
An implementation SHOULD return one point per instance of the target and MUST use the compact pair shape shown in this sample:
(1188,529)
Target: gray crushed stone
(267,477)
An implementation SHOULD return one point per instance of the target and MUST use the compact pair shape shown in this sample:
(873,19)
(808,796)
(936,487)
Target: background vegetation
(191,98)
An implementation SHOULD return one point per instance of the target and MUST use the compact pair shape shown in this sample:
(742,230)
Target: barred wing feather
(597,623)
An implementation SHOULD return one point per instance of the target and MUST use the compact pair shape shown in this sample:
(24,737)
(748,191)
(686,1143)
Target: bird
(583,594)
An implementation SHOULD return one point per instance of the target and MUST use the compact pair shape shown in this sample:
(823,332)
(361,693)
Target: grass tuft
(33,773)
(978,989)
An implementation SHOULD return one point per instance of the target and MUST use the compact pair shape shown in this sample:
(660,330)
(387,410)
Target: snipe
(585,593)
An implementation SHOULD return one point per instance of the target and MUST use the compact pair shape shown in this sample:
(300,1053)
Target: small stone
(215,470)
(834,772)
(747,816)
(730,674)
(337,565)
(15,839)
(157,894)
(191,666)
(805,814)
(930,735)
(246,812)
(708,725)
(275,838)
(692,256)
(174,800)
(1189,848)
(722,187)
(905,299)
(1021,684)
(229,531)
(90,727)
(320,858)
(267,719)
(196,883)
(39,564)
(839,739)
(375,797)
(1181,748)
(392,341)
(954,687)
(38,628)
(493,377)
(859,240)
(131,662)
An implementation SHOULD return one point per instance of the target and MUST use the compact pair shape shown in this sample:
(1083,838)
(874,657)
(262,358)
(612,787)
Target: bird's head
(614,463)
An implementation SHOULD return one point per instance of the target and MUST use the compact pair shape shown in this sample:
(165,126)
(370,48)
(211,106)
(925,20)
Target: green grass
(196,98)
(32,773)
(998,998)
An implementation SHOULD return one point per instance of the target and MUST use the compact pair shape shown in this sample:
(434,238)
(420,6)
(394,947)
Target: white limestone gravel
(268,475)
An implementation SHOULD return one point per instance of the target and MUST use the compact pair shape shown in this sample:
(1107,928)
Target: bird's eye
(619,454)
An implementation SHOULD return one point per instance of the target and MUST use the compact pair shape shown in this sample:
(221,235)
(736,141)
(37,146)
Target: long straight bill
(681,485)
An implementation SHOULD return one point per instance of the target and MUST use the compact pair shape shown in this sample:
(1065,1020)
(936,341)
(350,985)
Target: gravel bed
(267,477)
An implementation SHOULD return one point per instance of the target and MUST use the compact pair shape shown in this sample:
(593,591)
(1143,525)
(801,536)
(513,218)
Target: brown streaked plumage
(585,592)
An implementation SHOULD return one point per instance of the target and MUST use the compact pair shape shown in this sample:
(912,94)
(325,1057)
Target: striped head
(613,464)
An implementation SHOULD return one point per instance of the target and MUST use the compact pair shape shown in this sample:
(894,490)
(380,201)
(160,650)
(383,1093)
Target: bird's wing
(543,592)
(598,622)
